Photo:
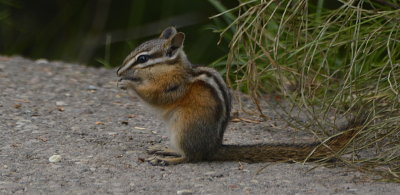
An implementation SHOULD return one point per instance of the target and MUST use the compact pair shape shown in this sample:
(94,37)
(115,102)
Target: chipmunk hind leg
(162,150)
(196,139)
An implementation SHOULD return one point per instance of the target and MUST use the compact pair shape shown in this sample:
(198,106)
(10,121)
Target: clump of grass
(331,60)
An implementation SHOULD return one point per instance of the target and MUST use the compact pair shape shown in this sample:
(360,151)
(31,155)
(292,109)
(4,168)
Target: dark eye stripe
(145,57)
(158,54)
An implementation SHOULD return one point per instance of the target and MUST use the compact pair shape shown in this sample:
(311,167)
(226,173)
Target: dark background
(103,32)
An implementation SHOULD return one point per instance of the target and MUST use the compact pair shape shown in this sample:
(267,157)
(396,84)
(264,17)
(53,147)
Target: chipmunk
(195,104)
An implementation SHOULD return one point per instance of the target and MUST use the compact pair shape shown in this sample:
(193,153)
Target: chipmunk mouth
(124,82)
(129,78)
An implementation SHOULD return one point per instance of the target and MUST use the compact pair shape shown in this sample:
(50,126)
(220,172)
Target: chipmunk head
(167,49)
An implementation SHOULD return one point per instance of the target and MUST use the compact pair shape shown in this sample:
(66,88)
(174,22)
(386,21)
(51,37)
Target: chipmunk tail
(290,152)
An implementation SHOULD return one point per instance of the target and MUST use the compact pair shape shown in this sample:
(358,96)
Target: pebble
(210,173)
(41,61)
(91,87)
(184,192)
(55,158)
(61,103)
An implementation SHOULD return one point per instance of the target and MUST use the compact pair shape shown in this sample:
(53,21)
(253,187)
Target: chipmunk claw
(155,161)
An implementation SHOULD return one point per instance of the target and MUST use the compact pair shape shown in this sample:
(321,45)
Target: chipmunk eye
(142,58)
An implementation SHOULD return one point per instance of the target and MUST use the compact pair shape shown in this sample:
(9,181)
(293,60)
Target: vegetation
(331,59)
(102,33)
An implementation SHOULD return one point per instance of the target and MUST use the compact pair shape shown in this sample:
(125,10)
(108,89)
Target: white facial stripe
(130,62)
(158,60)
(149,62)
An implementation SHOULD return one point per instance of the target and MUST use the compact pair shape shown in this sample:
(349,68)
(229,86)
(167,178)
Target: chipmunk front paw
(122,84)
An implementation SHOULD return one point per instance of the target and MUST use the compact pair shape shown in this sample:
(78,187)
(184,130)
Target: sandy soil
(77,112)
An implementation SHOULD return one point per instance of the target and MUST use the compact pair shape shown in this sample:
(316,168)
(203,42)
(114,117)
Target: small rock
(198,185)
(91,87)
(2,66)
(112,133)
(41,61)
(61,103)
(210,173)
(55,158)
(184,192)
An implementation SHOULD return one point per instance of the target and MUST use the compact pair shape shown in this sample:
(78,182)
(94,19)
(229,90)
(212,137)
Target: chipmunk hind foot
(159,161)
(162,150)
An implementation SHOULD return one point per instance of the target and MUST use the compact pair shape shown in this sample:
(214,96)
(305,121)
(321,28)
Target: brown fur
(192,102)
(154,80)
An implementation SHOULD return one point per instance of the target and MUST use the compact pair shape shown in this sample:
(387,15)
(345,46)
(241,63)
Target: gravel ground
(77,112)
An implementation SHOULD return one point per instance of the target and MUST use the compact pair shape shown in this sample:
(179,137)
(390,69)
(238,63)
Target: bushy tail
(287,152)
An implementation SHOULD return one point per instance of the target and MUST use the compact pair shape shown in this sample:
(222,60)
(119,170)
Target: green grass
(333,60)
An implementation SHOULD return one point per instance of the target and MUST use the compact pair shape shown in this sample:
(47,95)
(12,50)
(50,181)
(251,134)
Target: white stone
(55,158)
(184,192)
(41,61)
(61,103)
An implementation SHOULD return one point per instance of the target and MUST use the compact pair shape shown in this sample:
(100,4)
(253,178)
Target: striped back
(212,78)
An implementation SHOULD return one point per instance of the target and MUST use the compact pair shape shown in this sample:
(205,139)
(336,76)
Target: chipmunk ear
(175,42)
(168,32)
(178,39)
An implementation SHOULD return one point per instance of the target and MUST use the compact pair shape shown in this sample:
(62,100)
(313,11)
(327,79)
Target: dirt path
(53,108)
